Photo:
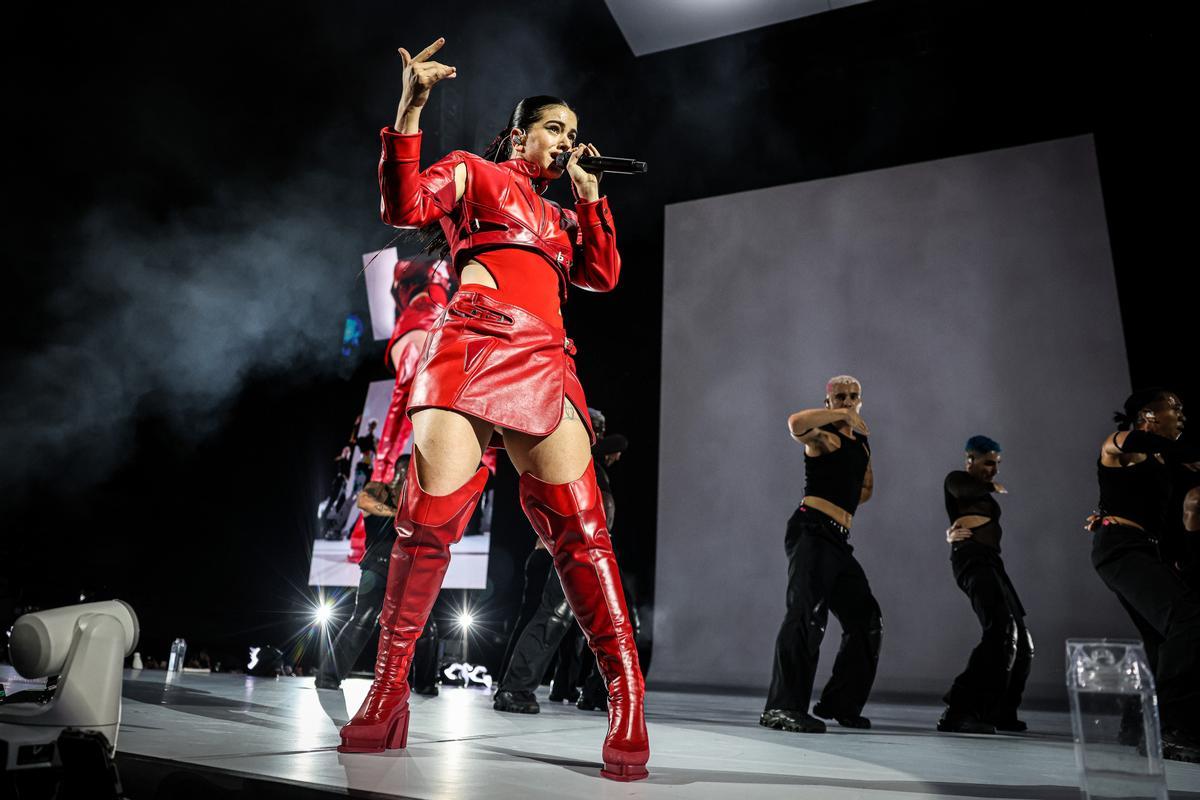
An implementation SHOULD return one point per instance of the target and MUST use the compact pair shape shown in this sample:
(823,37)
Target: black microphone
(619,166)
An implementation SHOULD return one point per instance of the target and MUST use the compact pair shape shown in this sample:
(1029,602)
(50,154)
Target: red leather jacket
(500,207)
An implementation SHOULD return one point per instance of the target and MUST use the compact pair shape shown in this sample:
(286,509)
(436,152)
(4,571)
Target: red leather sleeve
(410,198)
(597,264)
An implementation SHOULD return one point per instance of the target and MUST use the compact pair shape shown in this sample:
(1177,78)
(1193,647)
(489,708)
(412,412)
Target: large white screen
(971,295)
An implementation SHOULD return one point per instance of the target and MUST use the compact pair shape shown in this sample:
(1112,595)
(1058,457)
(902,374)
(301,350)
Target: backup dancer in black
(985,697)
(534,644)
(823,575)
(538,565)
(1135,511)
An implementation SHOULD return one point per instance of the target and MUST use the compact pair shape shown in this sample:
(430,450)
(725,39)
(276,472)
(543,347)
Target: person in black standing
(341,478)
(336,509)
(1127,531)
(366,445)
(823,575)
(986,695)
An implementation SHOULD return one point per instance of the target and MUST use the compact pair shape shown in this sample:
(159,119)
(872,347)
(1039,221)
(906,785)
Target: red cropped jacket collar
(499,207)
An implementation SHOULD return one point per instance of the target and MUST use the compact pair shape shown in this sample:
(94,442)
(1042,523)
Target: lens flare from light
(323,613)
(465,620)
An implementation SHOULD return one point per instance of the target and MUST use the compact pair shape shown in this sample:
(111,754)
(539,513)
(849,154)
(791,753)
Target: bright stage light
(323,613)
(465,620)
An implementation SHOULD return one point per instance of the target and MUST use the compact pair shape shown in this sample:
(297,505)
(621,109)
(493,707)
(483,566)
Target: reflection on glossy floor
(703,746)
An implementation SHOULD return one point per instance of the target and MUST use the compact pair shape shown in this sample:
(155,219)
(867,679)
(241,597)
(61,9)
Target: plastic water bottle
(178,654)
(1114,716)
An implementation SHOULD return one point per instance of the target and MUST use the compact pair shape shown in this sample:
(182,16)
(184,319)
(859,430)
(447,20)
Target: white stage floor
(703,746)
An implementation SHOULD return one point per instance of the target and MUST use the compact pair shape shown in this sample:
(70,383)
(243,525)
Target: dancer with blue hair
(985,696)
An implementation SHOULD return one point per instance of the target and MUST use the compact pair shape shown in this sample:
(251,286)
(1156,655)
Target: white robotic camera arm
(41,642)
(86,646)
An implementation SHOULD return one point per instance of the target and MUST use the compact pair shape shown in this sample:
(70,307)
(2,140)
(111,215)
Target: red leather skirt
(500,363)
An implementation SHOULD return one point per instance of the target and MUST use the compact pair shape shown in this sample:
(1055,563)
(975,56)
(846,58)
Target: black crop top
(838,476)
(1142,492)
(965,494)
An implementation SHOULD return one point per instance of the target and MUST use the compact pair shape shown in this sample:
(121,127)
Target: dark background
(191,187)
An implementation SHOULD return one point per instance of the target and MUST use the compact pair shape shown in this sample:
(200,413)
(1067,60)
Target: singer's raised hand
(420,76)
(587,185)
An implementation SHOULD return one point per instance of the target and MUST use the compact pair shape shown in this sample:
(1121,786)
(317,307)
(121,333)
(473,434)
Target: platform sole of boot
(624,772)
(396,738)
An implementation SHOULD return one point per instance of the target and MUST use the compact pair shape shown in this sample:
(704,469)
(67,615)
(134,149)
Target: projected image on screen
(392,282)
(378,270)
(970,295)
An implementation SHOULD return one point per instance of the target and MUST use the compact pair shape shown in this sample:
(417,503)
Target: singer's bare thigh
(560,457)
(448,446)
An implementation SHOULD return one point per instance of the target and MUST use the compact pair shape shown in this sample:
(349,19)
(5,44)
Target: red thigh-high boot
(569,518)
(426,526)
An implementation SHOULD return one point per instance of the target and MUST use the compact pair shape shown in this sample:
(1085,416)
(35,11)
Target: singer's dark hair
(527,113)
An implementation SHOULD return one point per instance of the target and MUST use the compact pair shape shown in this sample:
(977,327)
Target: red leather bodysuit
(488,356)
(524,279)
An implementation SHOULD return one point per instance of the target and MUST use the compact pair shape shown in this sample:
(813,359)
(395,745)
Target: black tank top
(838,476)
(1141,492)
(381,536)
(966,495)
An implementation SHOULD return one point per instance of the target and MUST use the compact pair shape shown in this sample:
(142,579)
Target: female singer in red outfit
(497,368)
